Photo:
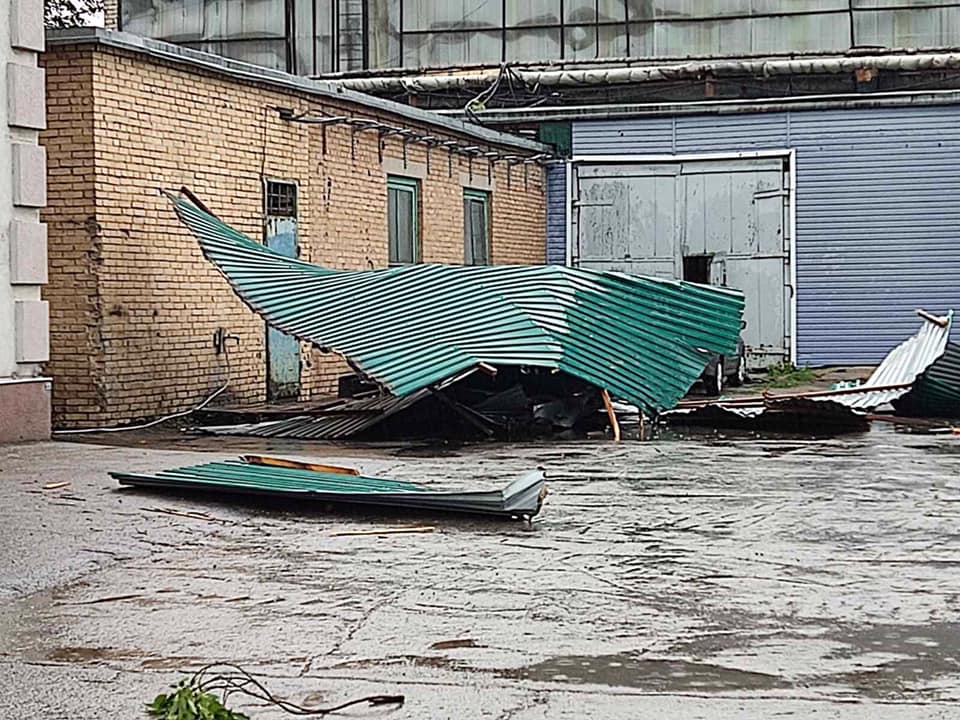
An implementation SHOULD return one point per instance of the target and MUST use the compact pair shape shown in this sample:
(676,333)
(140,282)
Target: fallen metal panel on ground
(893,379)
(788,415)
(331,423)
(936,393)
(646,340)
(902,365)
(521,498)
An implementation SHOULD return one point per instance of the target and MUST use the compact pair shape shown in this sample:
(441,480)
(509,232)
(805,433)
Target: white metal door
(645,218)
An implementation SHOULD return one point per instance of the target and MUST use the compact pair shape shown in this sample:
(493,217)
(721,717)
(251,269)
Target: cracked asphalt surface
(692,578)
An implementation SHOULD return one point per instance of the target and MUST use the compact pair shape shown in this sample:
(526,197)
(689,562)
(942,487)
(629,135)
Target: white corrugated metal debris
(892,379)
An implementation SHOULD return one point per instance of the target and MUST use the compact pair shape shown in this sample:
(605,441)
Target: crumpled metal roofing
(895,376)
(330,423)
(522,497)
(936,393)
(902,369)
(646,340)
(787,414)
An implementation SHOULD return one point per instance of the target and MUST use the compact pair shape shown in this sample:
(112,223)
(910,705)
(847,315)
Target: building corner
(24,316)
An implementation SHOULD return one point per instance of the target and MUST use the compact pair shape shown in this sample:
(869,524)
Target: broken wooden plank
(267,461)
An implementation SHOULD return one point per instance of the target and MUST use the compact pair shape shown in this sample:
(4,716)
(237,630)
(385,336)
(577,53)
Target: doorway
(280,235)
(712,220)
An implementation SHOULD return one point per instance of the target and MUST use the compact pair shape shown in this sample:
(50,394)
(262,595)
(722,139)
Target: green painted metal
(644,339)
(936,393)
(522,497)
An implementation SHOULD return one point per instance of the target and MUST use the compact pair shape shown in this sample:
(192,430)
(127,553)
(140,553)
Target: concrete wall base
(25,410)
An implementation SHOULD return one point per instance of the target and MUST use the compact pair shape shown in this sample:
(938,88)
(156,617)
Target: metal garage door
(724,222)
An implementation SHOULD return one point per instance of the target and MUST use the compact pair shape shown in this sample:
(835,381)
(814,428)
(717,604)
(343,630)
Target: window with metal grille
(281,199)
(403,220)
(476,227)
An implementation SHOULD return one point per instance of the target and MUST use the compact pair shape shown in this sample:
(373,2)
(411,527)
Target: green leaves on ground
(787,374)
(189,703)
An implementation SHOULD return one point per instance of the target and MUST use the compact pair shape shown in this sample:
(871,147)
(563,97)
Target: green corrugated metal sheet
(522,497)
(936,393)
(646,340)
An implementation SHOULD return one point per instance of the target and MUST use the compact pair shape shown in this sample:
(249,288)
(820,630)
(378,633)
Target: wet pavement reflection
(704,576)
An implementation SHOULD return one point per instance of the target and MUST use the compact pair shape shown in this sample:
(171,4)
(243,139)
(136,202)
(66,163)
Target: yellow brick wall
(76,350)
(162,126)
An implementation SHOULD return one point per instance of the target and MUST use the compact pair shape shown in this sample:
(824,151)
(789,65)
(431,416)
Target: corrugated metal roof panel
(520,498)
(901,367)
(330,423)
(892,380)
(646,340)
(936,393)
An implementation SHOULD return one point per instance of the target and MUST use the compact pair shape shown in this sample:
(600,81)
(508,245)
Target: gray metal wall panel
(601,137)
(556,214)
(878,212)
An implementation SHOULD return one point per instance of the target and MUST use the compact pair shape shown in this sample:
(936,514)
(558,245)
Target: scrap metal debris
(291,479)
(908,371)
(782,415)
(936,393)
(467,335)
(895,376)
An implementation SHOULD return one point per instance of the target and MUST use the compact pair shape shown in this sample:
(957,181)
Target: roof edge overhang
(246,72)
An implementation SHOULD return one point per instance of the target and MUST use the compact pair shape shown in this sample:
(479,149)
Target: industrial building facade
(312,37)
(836,223)
(141,324)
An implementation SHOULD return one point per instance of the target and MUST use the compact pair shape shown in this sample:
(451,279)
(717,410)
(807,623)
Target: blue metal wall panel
(603,137)
(877,211)
(556,214)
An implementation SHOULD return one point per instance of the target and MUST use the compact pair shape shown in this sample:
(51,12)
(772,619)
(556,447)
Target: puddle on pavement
(922,654)
(651,675)
(91,654)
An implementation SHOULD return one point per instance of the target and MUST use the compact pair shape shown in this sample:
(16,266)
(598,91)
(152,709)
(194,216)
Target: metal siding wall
(878,212)
(556,214)
(614,137)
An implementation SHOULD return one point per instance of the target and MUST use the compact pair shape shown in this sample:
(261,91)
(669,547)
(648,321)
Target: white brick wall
(22,172)
(24,317)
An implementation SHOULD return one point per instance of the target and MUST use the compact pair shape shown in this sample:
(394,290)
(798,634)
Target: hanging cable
(216,393)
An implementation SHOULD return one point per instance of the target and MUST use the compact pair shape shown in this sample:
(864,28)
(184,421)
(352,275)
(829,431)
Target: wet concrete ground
(703,578)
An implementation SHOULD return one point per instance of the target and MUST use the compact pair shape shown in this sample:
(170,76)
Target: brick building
(344,180)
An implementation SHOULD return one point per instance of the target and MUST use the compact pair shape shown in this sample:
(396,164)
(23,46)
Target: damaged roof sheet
(342,420)
(646,340)
(895,376)
(903,370)
(936,393)
(522,497)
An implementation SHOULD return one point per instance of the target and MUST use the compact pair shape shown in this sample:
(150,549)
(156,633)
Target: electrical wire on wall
(216,393)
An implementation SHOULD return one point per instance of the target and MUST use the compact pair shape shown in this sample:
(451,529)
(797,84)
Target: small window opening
(281,199)
(696,268)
